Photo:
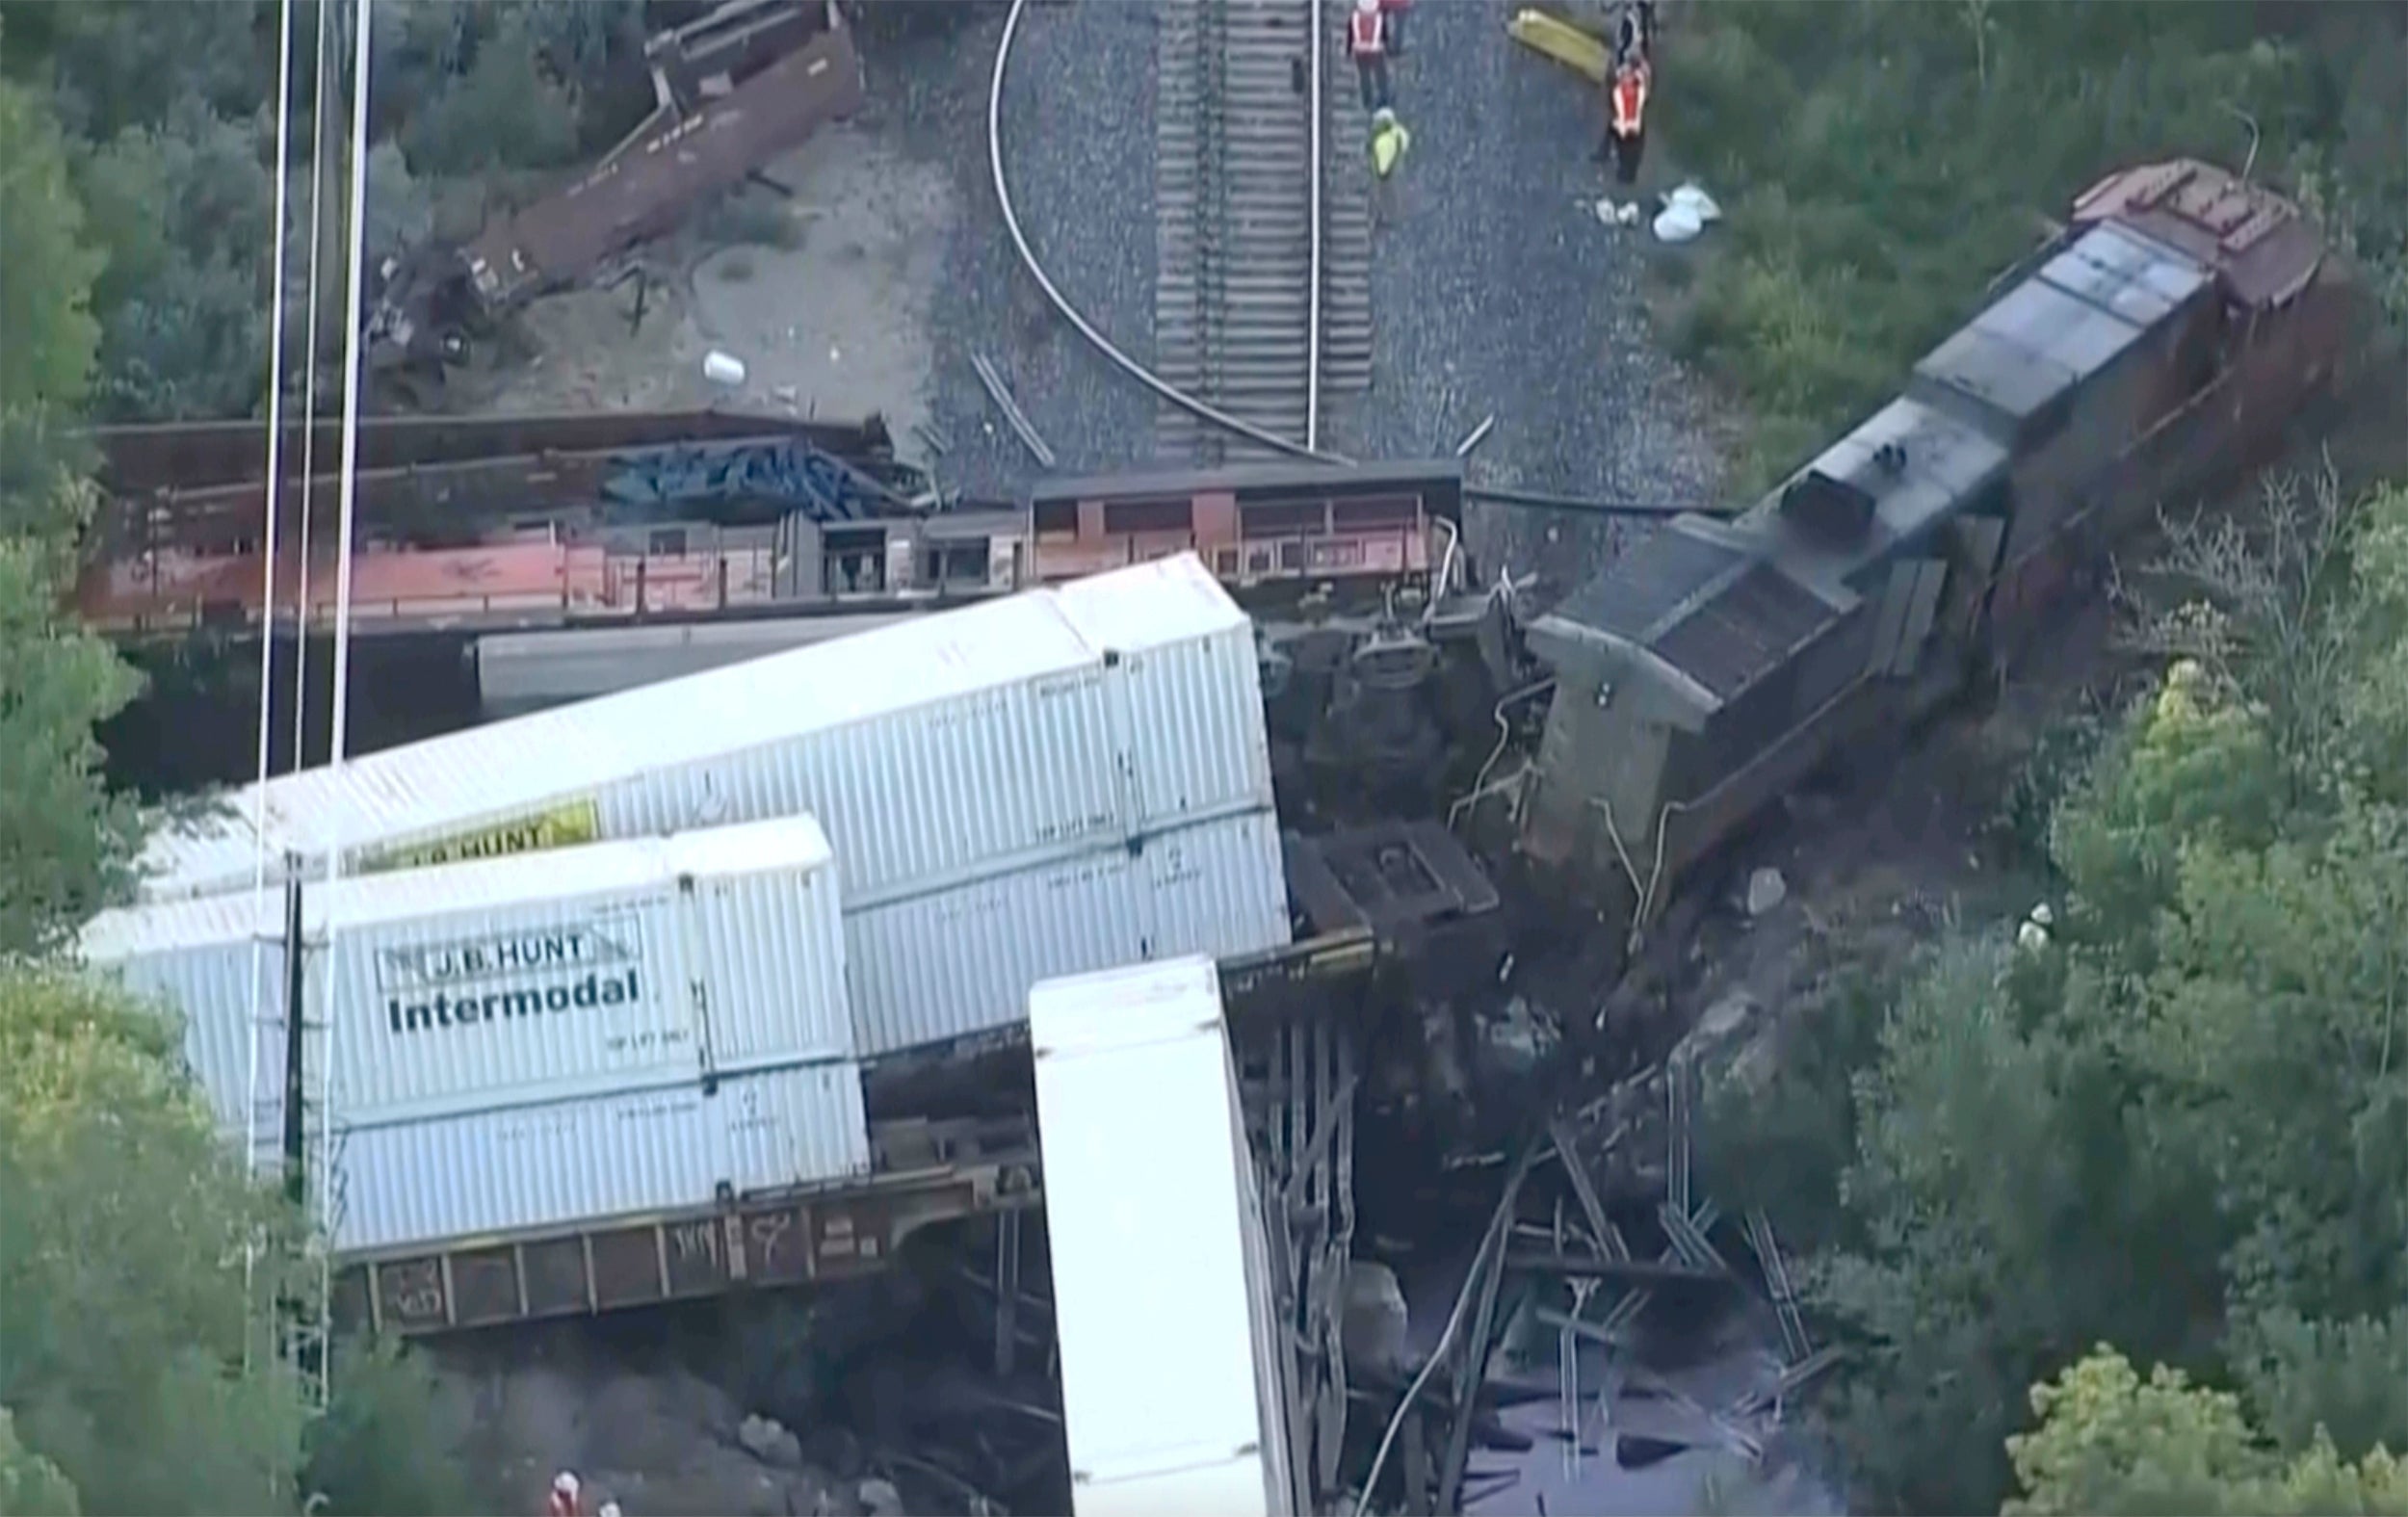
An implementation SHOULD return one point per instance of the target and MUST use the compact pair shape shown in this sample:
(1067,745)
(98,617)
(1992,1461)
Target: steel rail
(1193,404)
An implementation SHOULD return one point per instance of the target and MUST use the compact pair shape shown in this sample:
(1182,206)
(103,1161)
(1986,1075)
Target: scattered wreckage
(747,82)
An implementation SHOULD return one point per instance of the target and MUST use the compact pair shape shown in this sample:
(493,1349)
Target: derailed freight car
(1174,1395)
(936,968)
(2164,340)
(476,985)
(935,751)
(531,1042)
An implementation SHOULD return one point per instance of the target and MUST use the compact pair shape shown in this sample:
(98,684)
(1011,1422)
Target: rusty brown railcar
(654,180)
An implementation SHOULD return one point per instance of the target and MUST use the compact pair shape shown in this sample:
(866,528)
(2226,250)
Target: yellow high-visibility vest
(1388,145)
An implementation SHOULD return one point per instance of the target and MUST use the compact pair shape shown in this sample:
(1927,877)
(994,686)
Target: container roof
(590,871)
(510,767)
(2055,329)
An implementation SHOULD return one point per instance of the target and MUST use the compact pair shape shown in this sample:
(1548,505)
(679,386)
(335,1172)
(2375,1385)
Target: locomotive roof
(2258,245)
(1708,606)
(2051,332)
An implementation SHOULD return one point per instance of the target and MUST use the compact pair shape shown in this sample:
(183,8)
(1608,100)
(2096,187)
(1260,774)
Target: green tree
(491,99)
(121,1275)
(2348,1378)
(61,837)
(31,1485)
(2181,1126)
(182,210)
(118,64)
(2111,1445)
(381,1450)
(64,840)
(2003,1212)
(48,334)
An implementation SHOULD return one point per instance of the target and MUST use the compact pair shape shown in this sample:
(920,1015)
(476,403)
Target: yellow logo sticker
(557,827)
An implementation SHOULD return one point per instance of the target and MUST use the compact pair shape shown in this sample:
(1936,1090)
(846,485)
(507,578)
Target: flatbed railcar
(2162,341)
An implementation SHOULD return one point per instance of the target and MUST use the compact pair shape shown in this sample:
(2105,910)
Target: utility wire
(266,622)
(347,517)
(309,388)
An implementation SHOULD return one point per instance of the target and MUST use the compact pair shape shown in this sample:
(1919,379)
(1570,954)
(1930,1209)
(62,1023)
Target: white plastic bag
(1698,201)
(1678,224)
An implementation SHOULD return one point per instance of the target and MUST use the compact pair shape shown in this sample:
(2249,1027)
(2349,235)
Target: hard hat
(566,1483)
(1383,117)
(1367,5)
(609,1509)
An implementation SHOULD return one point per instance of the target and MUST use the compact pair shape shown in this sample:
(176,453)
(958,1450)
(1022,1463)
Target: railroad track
(1262,301)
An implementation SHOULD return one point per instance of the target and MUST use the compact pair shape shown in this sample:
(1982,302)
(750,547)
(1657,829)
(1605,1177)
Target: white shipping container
(595,1160)
(1192,697)
(935,752)
(944,966)
(513,980)
(1169,1342)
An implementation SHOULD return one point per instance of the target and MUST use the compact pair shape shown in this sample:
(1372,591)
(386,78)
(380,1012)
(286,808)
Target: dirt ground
(824,297)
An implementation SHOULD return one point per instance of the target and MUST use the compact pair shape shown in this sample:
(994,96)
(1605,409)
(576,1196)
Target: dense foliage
(135,1375)
(1882,161)
(2181,1127)
(166,111)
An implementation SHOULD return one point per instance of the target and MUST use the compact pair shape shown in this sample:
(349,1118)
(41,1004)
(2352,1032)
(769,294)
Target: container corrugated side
(933,751)
(478,986)
(775,986)
(928,798)
(1160,1403)
(948,965)
(609,1157)
(209,997)
(643,761)
(1185,683)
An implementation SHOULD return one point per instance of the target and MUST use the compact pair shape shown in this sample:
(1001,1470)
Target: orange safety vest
(1630,103)
(1363,34)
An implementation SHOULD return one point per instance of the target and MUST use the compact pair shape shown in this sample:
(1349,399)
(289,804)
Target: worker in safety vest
(1635,33)
(1626,119)
(563,1502)
(1389,140)
(1367,43)
(1392,11)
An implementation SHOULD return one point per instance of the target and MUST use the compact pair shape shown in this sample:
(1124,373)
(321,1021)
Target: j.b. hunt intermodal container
(940,751)
(529,1167)
(944,966)
(511,982)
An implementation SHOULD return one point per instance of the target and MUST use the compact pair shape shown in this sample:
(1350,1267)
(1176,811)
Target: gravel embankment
(1079,144)
(1495,289)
